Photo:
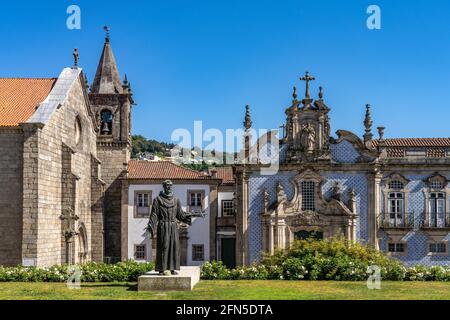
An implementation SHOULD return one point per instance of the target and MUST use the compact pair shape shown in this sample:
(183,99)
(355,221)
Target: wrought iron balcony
(398,221)
(435,220)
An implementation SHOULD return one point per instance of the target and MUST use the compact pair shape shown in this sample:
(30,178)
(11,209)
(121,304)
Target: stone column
(373,207)
(124,219)
(213,209)
(242,219)
(271,238)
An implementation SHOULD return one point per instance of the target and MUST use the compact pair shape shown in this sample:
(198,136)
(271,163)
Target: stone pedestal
(185,280)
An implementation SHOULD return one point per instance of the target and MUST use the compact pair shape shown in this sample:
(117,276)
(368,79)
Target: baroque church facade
(392,194)
(64,148)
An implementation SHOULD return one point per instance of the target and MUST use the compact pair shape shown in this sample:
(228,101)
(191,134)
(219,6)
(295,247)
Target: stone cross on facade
(307,78)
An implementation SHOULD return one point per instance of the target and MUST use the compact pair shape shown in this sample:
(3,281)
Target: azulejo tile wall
(416,240)
(344,152)
(257,184)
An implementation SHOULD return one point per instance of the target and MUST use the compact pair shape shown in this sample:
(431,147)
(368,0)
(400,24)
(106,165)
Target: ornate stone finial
(321,93)
(281,195)
(352,200)
(266,200)
(248,118)
(368,124)
(107,30)
(381,132)
(337,191)
(307,78)
(294,95)
(125,80)
(75,58)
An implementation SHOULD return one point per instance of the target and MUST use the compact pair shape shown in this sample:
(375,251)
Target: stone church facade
(64,148)
(392,194)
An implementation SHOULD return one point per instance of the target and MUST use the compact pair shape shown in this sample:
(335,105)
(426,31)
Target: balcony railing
(401,221)
(435,220)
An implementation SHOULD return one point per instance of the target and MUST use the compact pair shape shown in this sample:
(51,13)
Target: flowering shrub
(332,259)
(90,272)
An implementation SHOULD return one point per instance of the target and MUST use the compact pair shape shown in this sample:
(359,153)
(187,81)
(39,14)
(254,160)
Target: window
(308,196)
(395,185)
(227,208)
(437,247)
(107,121)
(436,207)
(395,207)
(198,252)
(396,247)
(77,131)
(142,204)
(140,252)
(195,200)
(436,184)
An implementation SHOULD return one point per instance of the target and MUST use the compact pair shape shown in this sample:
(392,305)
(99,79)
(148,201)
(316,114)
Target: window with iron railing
(396,203)
(436,209)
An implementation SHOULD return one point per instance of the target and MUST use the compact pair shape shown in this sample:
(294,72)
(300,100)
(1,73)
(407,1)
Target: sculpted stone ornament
(281,195)
(166,212)
(337,192)
(266,200)
(308,137)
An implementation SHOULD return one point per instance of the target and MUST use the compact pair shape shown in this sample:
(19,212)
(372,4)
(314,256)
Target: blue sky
(205,60)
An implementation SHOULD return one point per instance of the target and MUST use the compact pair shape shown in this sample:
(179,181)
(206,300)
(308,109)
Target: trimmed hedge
(90,272)
(325,260)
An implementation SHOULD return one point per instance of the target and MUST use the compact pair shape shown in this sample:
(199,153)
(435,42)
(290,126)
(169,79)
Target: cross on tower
(107,29)
(75,57)
(307,78)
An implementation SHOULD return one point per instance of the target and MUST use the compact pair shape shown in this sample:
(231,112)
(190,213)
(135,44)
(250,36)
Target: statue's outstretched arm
(183,216)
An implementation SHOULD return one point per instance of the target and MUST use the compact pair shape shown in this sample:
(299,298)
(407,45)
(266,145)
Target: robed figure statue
(165,214)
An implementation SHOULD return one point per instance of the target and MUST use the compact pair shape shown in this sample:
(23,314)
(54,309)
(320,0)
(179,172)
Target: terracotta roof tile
(161,170)
(19,98)
(226,174)
(415,142)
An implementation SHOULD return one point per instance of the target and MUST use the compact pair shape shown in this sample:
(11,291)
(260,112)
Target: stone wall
(11,149)
(43,151)
(114,158)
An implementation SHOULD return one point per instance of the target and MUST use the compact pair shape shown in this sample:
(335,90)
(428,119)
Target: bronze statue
(165,214)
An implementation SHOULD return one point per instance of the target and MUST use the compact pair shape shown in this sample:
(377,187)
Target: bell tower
(307,127)
(111,101)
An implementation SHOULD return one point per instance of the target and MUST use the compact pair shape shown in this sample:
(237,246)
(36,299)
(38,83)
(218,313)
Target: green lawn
(226,290)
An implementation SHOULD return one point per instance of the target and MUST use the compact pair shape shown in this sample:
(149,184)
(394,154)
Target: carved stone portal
(283,219)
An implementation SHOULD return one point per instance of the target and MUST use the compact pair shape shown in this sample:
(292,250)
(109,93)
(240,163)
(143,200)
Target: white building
(211,192)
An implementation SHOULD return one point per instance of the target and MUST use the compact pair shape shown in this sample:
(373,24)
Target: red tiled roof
(161,170)
(415,142)
(19,98)
(226,174)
